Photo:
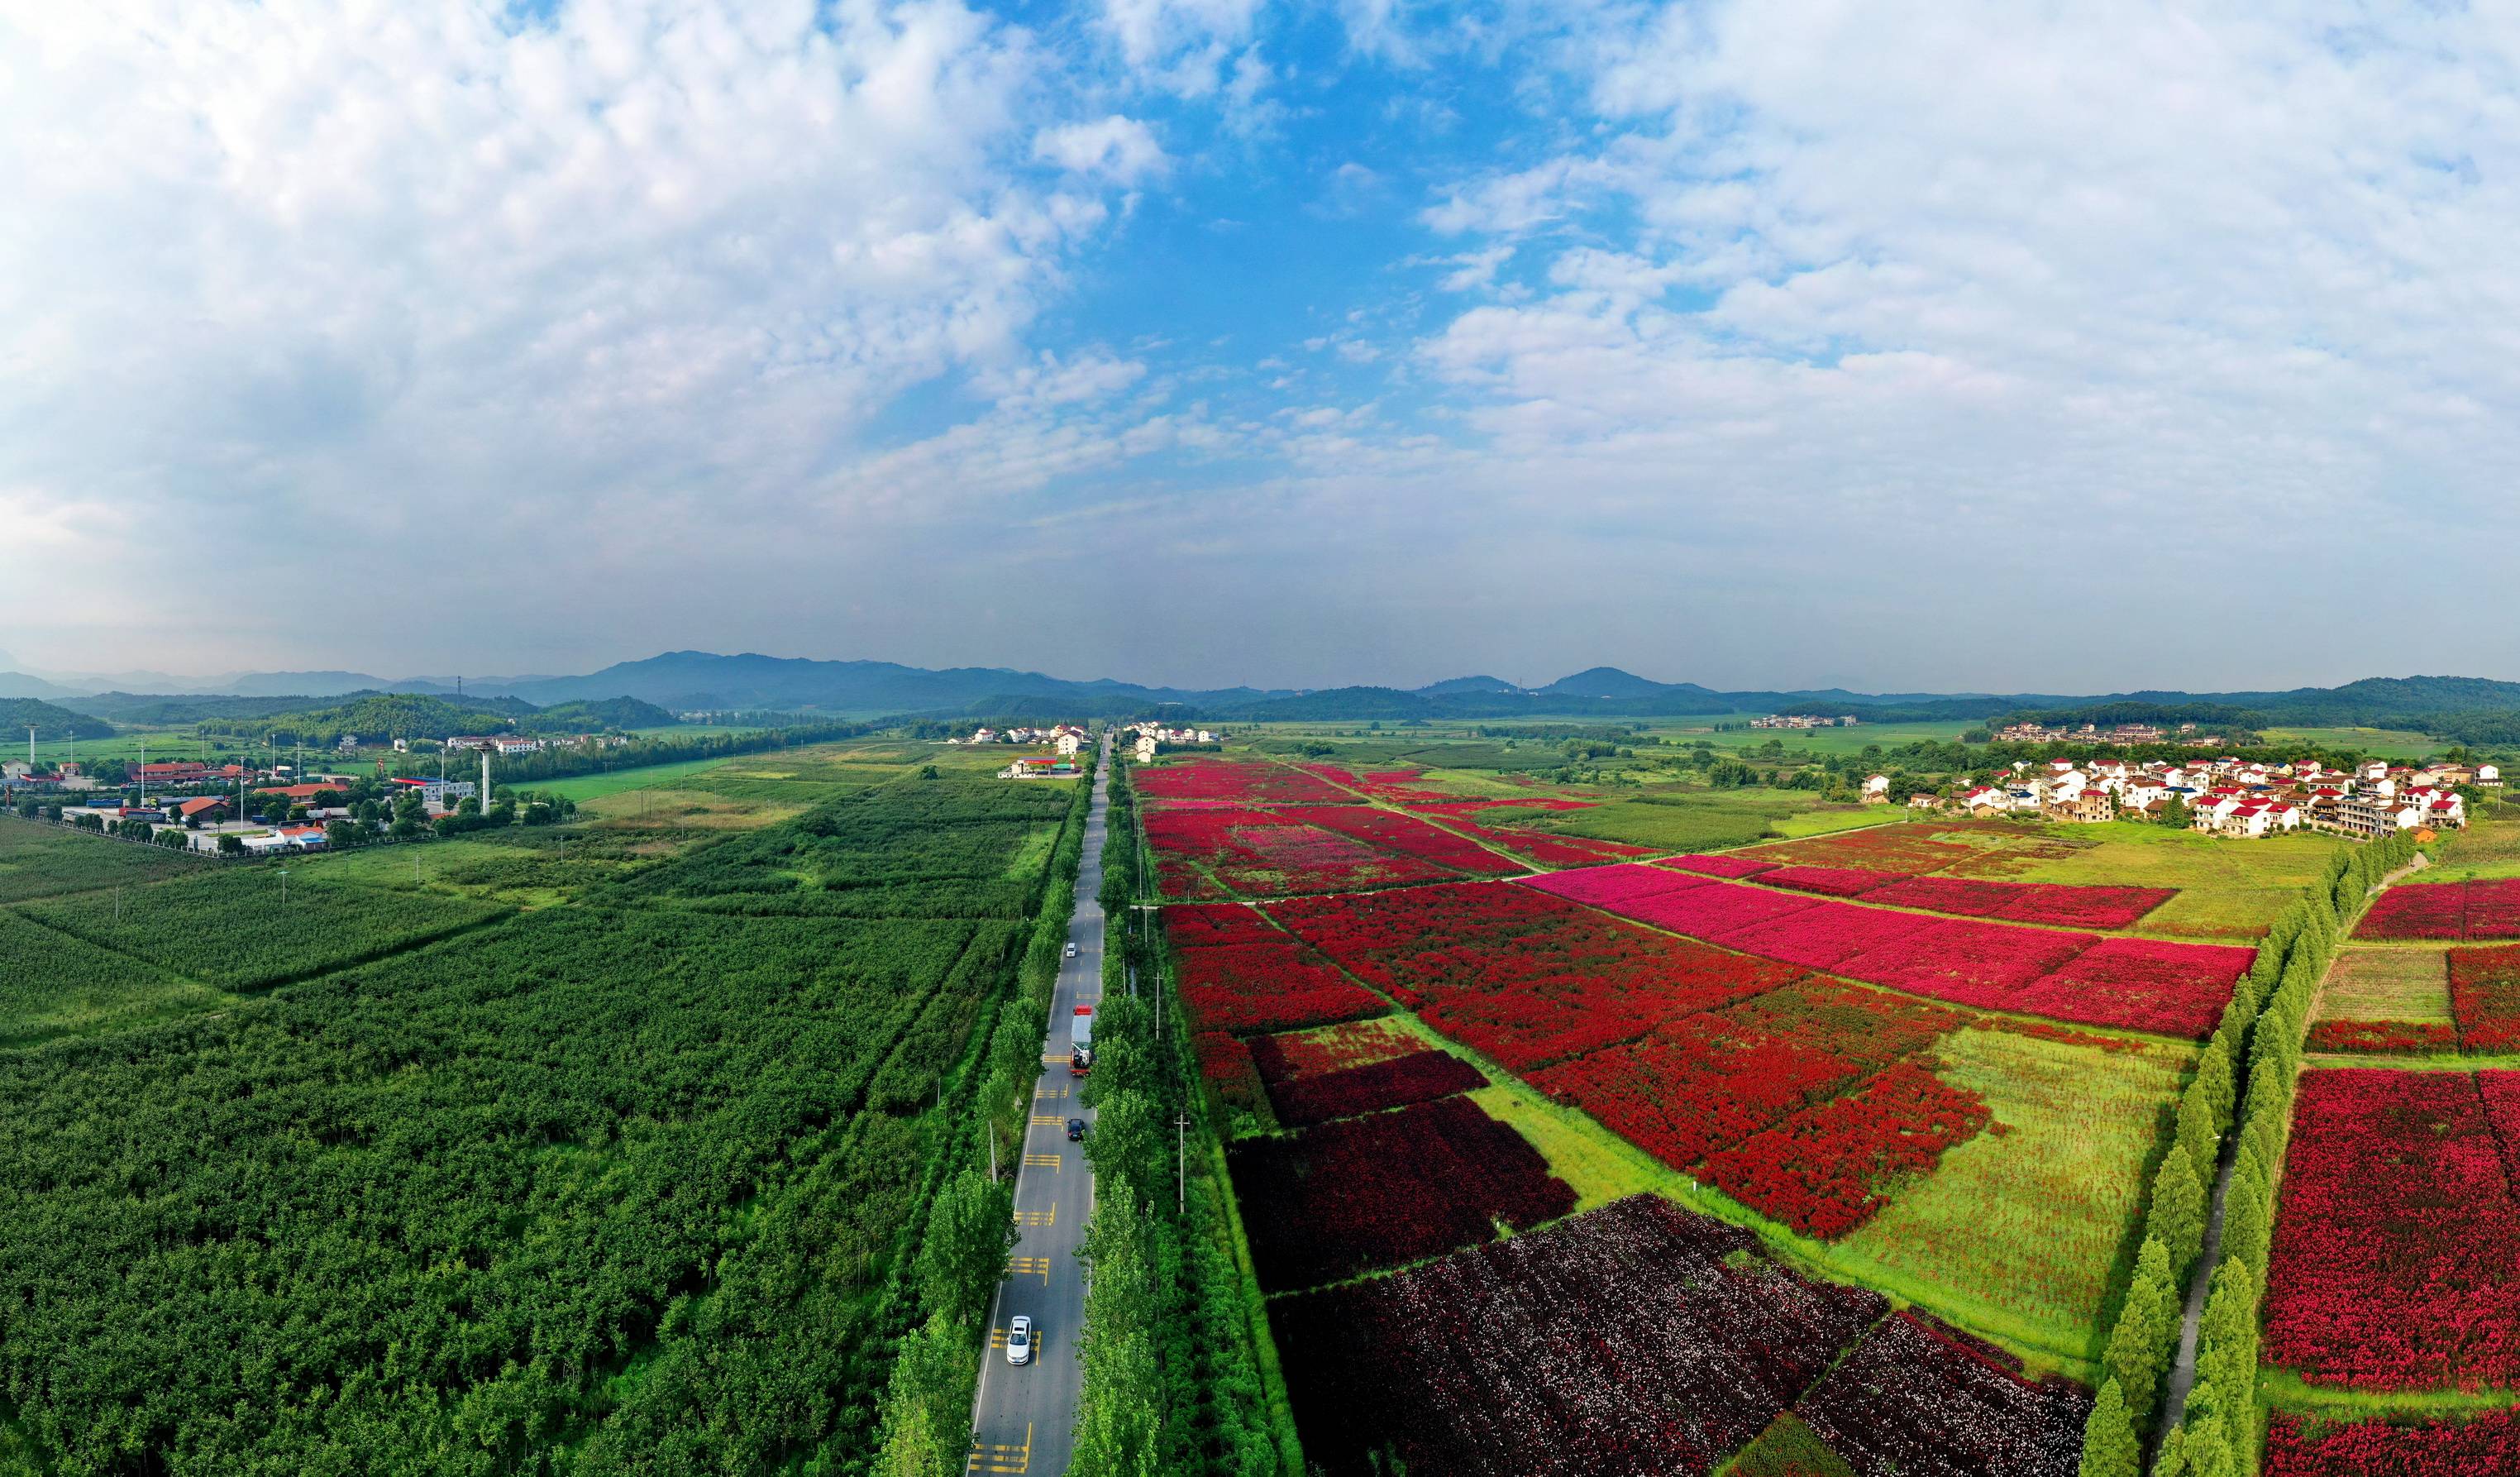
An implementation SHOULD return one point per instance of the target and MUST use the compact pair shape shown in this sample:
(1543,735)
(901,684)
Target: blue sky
(1897,346)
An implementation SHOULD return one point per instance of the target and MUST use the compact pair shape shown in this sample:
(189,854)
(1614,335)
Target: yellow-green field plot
(2486,848)
(2227,889)
(2387,984)
(1676,819)
(582,788)
(2023,1231)
(2384,743)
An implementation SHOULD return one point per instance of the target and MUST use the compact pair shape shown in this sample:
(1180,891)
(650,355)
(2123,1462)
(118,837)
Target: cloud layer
(1795,342)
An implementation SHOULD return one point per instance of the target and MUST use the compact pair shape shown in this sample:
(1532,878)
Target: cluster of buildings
(1147,738)
(2228,797)
(2119,735)
(1802,720)
(1062,738)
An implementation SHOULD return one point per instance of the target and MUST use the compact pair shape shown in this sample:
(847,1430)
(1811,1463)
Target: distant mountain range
(685,680)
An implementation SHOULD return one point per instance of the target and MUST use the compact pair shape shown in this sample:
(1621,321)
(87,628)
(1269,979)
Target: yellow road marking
(1044,1161)
(1048,1092)
(1049,1060)
(1000,1456)
(1049,1216)
(1048,1121)
(1025,1266)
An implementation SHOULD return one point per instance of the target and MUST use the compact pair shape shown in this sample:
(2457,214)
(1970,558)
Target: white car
(1019,1340)
(1071,950)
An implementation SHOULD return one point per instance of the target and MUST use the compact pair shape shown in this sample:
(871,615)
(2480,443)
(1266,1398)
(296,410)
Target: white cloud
(1184,46)
(1118,148)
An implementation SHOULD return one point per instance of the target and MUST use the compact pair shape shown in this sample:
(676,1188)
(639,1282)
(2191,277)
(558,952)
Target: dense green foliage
(45,862)
(51,986)
(373,717)
(50,720)
(615,1185)
(243,928)
(595,716)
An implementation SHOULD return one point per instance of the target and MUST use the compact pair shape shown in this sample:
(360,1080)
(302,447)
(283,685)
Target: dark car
(1075,1130)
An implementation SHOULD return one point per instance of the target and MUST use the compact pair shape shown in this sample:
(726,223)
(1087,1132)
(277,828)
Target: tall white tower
(486,779)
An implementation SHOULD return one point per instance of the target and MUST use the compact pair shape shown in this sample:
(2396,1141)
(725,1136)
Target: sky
(1899,346)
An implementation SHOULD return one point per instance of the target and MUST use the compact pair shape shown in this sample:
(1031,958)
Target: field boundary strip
(503,913)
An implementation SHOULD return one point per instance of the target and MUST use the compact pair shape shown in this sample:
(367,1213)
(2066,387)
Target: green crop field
(2025,1232)
(39,860)
(1700,820)
(2387,984)
(585,787)
(2386,743)
(2486,848)
(582,1147)
(1821,742)
(52,986)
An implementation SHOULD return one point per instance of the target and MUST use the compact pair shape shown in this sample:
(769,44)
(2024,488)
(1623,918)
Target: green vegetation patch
(52,985)
(436,1205)
(40,860)
(2227,889)
(233,927)
(585,787)
(2387,984)
(2486,849)
(1789,1449)
(2022,1232)
(1700,820)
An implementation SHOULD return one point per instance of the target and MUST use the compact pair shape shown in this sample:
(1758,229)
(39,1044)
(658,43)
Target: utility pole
(1181,1164)
(989,1127)
(284,887)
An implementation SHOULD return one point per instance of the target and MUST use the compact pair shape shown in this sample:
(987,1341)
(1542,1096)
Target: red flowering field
(2141,984)
(2133,984)
(1387,1188)
(1238,974)
(1257,852)
(2485,997)
(1910,850)
(1330,1048)
(1550,850)
(2492,909)
(1827,881)
(1616,888)
(1408,836)
(1212,781)
(1637,1338)
(1397,786)
(1225,1063)
(1917,1398)
(1709,1081)
(2072,906)
(2397,1246)
(2486,1442)
(1419,1076)
(1734,865)
(1522,976)
(2417,911)
(2391,1038)
(1821,1170)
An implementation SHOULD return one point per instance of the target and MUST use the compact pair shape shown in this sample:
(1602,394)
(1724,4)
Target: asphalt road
(1024,1418)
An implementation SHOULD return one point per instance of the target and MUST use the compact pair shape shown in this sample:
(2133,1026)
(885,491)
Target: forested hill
(413,716)
(49,721)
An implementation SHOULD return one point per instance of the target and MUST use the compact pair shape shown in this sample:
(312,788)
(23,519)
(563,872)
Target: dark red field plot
(1913,1399)
(1211,781)
(1966,961)
(2141,984)
(1616,888)
(1419,1076)
(1377,1192)
(1408,836)
(1522,976)
(1552,850)
(1821,1171)
(1263,852)
(2485,998)
(1708,1081)
(2416,911)
(1827,881)
(1638,1338)
(1240,976)
(2072,906)
(1225,1062)
(2397,1246)
(2488,1442)
(1731,865)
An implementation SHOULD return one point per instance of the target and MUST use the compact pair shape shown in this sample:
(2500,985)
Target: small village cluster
(1802,720)
(2121,735)
(2226,797)
(1066,738)
(202,801)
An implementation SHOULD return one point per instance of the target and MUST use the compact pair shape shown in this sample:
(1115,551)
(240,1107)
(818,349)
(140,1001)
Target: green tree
(2109,1445)
(970,1233)
(927,1406)
(2139,1346)
(2200,1127)
(2177,1213)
